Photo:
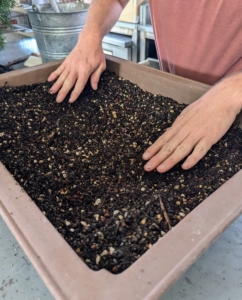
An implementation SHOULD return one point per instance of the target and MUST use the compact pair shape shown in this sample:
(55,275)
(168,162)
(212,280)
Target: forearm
(101,17)
(232,85)
(227,76)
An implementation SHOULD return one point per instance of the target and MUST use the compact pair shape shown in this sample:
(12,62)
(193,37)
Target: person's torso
(198,39)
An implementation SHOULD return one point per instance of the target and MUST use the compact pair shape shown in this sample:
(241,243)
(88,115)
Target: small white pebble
(96,216)
(84,224)
(100,235)
(111,250)
(105,252)
(159,217)
(98,258)
(97,202)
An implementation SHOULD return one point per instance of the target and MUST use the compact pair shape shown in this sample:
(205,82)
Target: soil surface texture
(82,165)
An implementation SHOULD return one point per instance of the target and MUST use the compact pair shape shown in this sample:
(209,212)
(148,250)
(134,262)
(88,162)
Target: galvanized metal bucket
(57,33)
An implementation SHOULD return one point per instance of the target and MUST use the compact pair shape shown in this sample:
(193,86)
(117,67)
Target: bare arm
(102,16)
(87,58)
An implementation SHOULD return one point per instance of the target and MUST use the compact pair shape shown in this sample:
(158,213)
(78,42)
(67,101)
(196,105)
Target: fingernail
(71,100)
(146,155)
(148,166)
(51,91)
(185,165)
(58,99)
(161,168)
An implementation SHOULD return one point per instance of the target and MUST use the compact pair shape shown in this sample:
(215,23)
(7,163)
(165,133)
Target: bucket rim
(35,9)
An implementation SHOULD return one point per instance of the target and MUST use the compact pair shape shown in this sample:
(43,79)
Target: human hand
(197,128)
(85,60)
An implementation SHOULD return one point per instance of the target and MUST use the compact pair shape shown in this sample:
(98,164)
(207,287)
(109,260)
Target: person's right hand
(85,60)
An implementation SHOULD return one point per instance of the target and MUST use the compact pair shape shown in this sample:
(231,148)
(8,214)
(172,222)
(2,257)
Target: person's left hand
(197,128)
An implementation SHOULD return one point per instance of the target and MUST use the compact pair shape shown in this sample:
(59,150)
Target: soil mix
(82,165)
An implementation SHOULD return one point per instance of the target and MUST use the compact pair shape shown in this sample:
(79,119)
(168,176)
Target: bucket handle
(36,8)
(54,5)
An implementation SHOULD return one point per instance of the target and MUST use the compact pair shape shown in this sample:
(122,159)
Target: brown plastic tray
(63,272)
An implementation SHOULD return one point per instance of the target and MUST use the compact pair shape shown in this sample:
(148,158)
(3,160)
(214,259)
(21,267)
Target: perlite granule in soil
(82,165)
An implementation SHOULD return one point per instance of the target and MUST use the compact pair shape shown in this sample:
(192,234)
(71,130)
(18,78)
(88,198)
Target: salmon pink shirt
(198,39)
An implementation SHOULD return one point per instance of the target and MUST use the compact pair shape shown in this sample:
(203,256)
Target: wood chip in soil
(82,165)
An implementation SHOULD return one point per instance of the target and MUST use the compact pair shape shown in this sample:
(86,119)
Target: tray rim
(144,279)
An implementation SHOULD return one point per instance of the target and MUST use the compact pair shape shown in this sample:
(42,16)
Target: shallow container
(64,273)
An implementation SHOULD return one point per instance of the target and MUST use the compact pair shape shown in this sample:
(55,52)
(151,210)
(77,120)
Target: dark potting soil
(82,165)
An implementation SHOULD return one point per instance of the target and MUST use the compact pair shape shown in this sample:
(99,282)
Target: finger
(180,152)
(180,122)
(82,81)
(198,153)
(56,73)
(80,84)
(165,139)
(66,87)
(156,160)
(167,150)
(59,83)
(158,144)
(95,77)
(198,143)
